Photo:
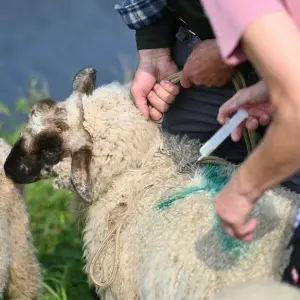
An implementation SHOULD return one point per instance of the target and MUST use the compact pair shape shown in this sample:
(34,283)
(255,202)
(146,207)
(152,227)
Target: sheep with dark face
(54,131)
(20,275)
(97,144)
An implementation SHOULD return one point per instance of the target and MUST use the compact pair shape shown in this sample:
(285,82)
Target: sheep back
(177,252)
(172,253)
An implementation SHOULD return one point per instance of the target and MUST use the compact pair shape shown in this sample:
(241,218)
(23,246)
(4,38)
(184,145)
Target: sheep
(260,290)
(125,173)
(20,276)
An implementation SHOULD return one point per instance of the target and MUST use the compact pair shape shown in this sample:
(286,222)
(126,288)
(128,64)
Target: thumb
(140,101)
(245,234)
(225,110)
(184,80)
(241,98)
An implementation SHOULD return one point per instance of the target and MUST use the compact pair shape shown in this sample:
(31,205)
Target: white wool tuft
(260,290)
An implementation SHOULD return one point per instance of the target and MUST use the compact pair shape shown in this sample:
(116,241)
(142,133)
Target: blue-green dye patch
(215,178)
(166,203)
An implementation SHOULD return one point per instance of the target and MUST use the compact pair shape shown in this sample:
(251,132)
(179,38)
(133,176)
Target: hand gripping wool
(147,205)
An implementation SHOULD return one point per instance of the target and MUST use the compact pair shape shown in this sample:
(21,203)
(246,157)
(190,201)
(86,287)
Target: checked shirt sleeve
(138,14)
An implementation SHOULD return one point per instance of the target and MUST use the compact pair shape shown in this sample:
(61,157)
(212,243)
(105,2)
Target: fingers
(169,87)
(140,100)
(239,99)
(237,134)
(255,94)
(155,115)
(242,232)
(265,119)
(157,102)
(161,96)
(226,109)
(252,123)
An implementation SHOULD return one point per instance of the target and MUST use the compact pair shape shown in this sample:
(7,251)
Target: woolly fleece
(175,253)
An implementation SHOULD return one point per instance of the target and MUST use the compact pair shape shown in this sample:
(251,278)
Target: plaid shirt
(140,13)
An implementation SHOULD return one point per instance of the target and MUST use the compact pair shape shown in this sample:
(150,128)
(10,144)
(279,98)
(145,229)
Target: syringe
(223,133)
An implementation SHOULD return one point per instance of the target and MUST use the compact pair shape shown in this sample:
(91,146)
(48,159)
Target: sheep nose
(8,170)
(13,171)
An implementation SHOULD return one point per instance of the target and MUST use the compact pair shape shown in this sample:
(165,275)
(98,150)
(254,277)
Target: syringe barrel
(223,132)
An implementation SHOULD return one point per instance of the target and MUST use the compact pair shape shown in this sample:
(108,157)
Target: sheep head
(53,132)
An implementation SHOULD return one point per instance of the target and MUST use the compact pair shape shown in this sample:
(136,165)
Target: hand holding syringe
(225,131)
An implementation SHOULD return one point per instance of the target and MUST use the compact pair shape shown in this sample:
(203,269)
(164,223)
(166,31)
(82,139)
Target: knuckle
(165,107)
(151,95)
(173,89)
(170,99)
(155,114)
(156,87)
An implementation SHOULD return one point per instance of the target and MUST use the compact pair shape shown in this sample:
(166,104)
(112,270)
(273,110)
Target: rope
(112,277)
(250,140)
(239,83)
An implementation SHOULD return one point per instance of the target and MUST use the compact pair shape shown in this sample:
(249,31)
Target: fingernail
(166,83)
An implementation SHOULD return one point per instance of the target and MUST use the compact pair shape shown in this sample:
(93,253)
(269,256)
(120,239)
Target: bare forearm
(275,159)
(278,155)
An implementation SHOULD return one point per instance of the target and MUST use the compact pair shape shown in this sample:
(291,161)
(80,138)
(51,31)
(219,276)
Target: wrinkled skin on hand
(205,66)
(150,97)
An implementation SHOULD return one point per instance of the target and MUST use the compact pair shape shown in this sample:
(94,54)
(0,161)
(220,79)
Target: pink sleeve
(229,19)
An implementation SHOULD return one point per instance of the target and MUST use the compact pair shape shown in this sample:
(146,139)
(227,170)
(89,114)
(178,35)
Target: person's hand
(233,208)
(205,66)
(255,100)
(154,65)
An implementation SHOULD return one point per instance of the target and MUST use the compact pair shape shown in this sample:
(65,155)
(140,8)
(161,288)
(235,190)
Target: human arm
(155,29)
(154,44)
(272,44)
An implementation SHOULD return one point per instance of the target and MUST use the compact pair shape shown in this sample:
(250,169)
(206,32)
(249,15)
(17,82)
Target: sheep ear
(80,175)
(84,81)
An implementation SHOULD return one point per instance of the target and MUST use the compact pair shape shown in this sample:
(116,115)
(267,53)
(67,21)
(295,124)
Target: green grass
(56,233)
(57,238)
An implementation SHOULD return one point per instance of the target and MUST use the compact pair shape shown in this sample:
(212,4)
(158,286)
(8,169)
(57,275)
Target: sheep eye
(50,151)
(49,146)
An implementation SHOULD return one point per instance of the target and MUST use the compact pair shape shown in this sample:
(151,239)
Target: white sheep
(121,167)
(20,277)
(260,290)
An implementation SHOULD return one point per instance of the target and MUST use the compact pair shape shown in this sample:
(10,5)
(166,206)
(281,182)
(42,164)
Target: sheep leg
(24,272)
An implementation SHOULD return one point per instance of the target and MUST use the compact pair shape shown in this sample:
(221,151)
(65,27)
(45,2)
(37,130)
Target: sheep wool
(260,290)
(20,276)
(168,252)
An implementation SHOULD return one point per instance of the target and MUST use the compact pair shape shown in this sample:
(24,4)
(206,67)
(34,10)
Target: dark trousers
(291,274)
(195,110)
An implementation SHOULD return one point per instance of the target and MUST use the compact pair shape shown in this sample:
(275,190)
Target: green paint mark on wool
(179,195)
(215,178)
